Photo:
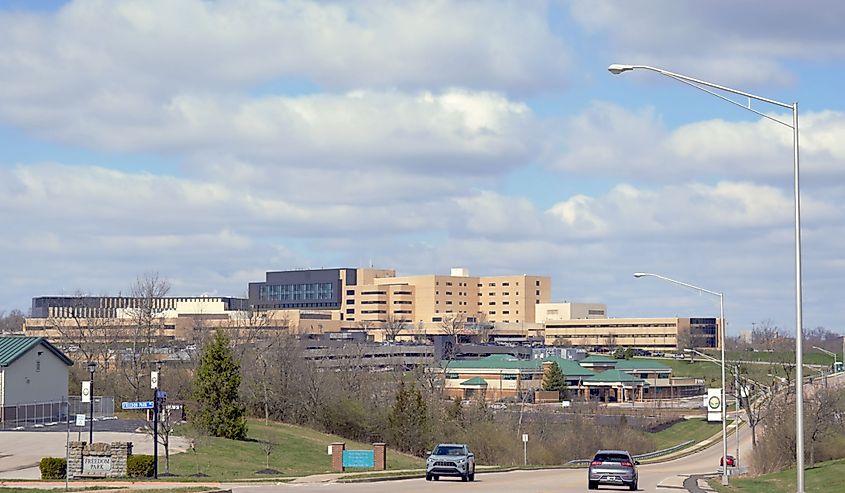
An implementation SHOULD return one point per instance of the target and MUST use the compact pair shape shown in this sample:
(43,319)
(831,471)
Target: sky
(212,141)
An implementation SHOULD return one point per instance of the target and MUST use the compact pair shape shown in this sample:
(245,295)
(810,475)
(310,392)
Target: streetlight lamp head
(92,366)
(640,274)
(618,68)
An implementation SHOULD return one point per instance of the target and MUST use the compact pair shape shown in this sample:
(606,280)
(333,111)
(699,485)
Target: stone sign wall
(98,460)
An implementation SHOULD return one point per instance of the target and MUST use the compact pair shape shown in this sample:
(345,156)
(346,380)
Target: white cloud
(612,140)
(732,42)
(160,47)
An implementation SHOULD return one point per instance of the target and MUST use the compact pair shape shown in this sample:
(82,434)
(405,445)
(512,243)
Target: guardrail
(650,455)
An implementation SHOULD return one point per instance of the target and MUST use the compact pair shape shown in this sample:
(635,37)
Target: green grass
(297,451)
(712,372)
(810,357)
(825,477)
(689,429)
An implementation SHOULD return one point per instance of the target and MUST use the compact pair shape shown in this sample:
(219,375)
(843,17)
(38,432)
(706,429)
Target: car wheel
(591,485)
(436,478)
(428,477)
(465,477)
(634,486)
(472,476)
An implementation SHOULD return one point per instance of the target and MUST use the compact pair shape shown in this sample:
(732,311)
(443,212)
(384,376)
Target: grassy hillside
(690,429)
(825,477)
(296,451)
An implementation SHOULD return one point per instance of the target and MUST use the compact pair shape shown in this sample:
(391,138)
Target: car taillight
(627,464)
(595,463)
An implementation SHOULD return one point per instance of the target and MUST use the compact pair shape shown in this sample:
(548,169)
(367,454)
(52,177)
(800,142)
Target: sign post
(525,448)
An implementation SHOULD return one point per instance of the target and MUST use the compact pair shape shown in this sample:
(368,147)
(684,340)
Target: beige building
(655,334)
(568,311)
(434,298)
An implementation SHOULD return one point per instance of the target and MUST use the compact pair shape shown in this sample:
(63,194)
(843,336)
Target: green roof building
(32,370)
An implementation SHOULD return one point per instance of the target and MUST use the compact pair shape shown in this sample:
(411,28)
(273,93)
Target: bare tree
(766,335)
(145,325)
(11,322)
(821,410)
(86,327)
(453,325)
(393,327)
(754,398)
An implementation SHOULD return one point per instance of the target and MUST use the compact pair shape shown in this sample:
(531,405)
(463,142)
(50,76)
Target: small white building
(31,371)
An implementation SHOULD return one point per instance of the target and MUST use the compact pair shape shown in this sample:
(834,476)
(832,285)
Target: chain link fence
(41,414)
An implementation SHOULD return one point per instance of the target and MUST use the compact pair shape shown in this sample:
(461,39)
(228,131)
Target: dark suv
(615,467)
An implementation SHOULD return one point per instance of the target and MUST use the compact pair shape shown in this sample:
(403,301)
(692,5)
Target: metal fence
(41,414)
(650,455)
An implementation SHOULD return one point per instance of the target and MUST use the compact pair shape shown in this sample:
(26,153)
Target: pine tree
(220,412)
(553,379)
(408,420)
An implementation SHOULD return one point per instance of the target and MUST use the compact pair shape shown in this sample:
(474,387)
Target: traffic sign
(137,405)
(80,420)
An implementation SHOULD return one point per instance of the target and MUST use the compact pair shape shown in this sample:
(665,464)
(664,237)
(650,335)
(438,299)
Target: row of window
(282,292)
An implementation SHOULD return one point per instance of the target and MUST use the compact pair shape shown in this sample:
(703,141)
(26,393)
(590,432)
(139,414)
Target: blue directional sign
(358,458)
(137,405)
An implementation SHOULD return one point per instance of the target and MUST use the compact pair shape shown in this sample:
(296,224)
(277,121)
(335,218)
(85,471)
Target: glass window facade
(285,292)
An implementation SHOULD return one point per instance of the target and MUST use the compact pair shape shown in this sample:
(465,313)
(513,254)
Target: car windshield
(612,458)
(443,450)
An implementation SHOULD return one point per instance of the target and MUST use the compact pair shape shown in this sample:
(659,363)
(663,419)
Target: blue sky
(211,141)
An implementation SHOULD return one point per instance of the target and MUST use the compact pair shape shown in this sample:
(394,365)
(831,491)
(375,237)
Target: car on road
(450,459)
(613,467)
(731,461)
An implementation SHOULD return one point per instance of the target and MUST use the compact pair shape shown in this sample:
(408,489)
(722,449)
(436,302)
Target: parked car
(731,461)
(613,467)
(450,459)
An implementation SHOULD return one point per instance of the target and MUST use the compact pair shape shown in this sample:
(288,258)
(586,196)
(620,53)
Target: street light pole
(799,332)
(722,345)
(92,366)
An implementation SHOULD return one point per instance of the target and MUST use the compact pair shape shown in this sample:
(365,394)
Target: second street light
(722,345)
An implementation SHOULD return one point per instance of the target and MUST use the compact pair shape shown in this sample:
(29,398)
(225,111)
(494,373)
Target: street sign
(153,379)
(136,405)
(86,391)
(80,420)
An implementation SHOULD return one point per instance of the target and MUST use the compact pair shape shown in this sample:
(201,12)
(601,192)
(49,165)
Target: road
(551,480)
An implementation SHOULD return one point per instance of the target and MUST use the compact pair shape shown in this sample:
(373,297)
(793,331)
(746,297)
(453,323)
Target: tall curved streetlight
(722,345)
(707,87)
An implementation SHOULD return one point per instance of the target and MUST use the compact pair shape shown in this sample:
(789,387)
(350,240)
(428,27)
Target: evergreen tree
(220,412)
(408,421)
(553,379)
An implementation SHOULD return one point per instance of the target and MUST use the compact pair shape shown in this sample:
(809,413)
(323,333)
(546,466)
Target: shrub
(139,466)
(53,468)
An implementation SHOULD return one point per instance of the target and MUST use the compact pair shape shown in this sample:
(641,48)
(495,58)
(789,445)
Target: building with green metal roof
(608,379)
(32,370)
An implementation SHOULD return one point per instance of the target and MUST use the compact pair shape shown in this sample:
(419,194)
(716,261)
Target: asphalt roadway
(665,476)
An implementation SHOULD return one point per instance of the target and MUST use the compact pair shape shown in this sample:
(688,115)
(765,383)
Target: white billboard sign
(153,379)
(714,404)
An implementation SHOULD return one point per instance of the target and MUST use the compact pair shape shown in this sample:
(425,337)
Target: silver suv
(450,459)
(615,467)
